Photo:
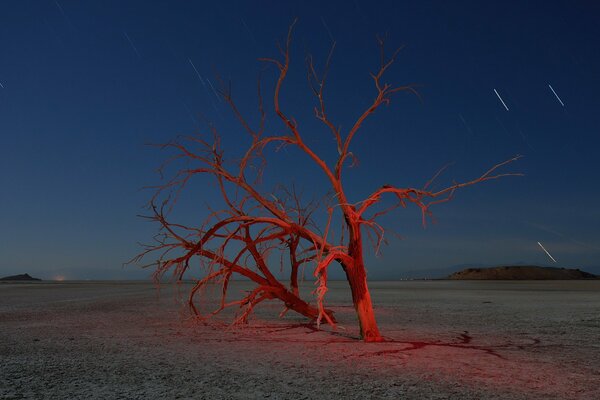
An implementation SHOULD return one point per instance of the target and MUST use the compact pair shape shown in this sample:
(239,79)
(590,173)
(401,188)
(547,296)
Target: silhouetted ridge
(524,272)
(21,277)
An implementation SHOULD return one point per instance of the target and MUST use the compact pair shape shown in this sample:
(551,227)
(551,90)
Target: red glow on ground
(500,364)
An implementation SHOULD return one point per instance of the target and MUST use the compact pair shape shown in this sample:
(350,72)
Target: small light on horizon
(58,278)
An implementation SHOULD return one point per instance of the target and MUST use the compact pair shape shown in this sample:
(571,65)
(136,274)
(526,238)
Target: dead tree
(253,223)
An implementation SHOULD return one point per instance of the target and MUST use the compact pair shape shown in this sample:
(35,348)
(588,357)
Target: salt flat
(447,340)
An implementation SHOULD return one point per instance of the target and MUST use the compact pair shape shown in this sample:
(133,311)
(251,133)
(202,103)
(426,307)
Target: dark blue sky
(85,84)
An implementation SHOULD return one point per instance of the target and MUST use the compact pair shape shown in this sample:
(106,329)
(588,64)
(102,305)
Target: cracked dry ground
(446,340)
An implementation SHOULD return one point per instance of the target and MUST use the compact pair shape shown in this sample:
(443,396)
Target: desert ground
(446,340)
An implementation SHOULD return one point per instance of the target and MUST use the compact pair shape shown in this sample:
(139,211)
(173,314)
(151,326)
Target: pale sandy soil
(448,340)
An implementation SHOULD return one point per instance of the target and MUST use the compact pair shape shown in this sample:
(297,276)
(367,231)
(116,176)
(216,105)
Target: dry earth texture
(447,340)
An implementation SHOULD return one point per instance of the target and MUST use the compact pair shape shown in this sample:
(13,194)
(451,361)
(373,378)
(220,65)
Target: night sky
(85,85)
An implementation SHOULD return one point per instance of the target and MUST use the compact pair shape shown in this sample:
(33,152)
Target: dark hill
(22,277)
(524,272)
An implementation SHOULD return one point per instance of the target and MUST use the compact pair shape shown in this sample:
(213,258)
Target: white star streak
(327,29)
(62,11)
(558,98)
(213,89)
(1,85)
(249,31)
(60,8)
(503,103)
(131,43)
(197,73)
(546,251)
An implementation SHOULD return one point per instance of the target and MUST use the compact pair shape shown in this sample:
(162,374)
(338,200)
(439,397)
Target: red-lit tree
(253,223)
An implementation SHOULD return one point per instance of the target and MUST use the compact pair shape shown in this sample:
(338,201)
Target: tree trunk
(357,278)
(294,280)
(294,261)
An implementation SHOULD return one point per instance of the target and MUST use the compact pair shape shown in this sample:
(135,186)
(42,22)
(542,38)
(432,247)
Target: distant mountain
(22,277)
(593,269)
(521,272)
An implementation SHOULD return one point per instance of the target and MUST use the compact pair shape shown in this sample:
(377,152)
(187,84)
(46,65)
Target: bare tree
(253,224)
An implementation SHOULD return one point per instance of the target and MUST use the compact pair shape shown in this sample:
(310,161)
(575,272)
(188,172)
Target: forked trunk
(357,278)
